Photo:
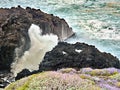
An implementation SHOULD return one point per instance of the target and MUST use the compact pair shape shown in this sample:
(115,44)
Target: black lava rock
(23,73)
(77,56)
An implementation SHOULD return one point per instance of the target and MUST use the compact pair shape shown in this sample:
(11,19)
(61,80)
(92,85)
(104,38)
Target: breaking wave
(95,22)
(40,44)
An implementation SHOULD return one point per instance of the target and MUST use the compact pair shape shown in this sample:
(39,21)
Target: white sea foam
(40,44)
(78,50)
(64,52)
(100,30)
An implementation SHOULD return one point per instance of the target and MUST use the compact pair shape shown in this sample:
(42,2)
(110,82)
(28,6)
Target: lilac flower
(111,70)
(86,70)
(108,87)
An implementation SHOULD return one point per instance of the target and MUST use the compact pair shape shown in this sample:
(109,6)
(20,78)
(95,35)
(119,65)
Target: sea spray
(83,13)
(40,44)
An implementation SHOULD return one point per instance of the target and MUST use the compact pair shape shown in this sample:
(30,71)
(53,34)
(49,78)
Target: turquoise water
(95,22)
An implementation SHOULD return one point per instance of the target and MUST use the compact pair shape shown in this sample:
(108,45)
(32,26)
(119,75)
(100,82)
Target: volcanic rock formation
(14,25)
(14,37)
(77,56)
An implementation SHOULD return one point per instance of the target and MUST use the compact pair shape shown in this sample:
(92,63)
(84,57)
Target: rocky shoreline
(78,55)
(14,25)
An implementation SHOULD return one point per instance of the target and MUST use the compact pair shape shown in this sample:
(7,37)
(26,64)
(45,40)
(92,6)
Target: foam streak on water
(40,44)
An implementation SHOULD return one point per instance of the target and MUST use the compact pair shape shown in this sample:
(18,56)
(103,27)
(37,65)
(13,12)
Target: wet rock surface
(5,78)
(23,73)
(77,56)
(14,38)
(14,25)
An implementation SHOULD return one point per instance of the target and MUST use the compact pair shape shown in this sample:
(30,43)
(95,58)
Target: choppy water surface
(95,22)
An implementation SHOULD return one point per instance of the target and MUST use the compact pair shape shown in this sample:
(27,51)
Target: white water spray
(40,44)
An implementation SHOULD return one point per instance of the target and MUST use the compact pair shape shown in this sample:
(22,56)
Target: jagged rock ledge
(14,25)
(77,56)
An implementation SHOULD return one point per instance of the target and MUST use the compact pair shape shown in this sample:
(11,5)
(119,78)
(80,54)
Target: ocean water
(95,22)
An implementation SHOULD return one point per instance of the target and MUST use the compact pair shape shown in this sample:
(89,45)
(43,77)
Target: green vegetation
(116,76)
(53,81)
(69,79)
